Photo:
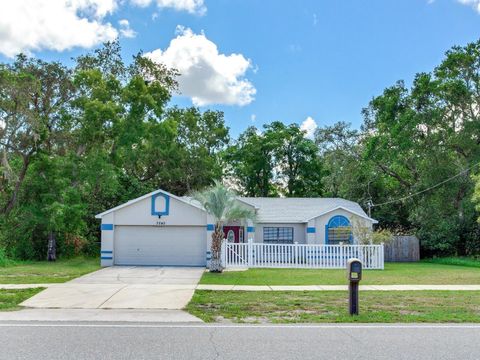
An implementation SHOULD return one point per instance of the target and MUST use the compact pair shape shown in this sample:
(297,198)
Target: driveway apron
(123,287)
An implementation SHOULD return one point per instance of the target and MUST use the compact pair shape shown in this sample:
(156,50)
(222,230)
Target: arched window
(338,230)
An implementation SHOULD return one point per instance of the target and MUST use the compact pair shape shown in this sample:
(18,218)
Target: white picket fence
(305,256)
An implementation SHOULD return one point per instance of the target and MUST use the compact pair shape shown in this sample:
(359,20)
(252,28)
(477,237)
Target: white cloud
(31,25)
(253,118)
(59,25)
(207,76)
(191,6)
(125,29)
(315,19)
(309,125)
(473,3)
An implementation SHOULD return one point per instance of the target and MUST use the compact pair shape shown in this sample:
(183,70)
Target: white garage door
(150,245)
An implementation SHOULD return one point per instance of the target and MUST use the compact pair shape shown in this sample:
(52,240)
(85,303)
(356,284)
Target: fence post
(382,256)
(223,254)
(295,253)
(250,252)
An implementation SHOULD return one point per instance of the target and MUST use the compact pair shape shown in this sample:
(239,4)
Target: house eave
(247,203)
(345,209)
(146,196)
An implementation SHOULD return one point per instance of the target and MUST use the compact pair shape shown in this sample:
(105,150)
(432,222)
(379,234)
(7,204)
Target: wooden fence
(403,248)
(300,255)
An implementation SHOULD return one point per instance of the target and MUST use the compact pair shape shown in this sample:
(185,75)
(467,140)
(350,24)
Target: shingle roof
(284,210)
(275,210)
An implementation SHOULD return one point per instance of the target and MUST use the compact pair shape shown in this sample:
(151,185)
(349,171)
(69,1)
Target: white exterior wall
(210,228)
(182,214)
(106,247)
(299,231)
(140,214)
(319,236)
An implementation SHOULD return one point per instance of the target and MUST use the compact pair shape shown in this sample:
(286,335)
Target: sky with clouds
(313,62)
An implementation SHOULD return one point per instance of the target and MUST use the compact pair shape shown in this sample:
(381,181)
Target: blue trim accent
(167,204)
(106,258)
(250,229)
(106,227)
(210,227)
(337,221)
(311,230)
(106,252)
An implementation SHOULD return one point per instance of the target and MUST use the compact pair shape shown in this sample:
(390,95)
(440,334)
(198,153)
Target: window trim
(284,234)
(338,223)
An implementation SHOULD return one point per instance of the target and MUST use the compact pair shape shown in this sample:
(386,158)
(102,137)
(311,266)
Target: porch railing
(300,255)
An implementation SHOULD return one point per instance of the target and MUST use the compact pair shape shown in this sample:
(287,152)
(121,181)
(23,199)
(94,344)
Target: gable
(300,210)
(157,208)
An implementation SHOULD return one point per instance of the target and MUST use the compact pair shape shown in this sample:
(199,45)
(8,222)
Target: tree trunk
(217,239)
(52,247)
(13,199)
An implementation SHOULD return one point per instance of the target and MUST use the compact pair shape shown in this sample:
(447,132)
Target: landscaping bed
(394,274)
(38,272)
(9,299)
(332,306)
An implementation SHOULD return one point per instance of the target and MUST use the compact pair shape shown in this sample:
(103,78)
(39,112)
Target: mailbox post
(354,275)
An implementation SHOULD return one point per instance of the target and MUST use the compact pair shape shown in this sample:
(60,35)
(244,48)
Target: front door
(233,234)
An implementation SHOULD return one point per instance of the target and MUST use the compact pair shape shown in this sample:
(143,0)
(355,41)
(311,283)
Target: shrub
(365,235)
(4,259)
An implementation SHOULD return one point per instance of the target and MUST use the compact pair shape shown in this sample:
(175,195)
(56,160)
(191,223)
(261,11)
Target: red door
(233,234)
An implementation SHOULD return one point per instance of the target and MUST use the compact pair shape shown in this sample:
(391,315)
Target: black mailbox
(354,275)
(354,270)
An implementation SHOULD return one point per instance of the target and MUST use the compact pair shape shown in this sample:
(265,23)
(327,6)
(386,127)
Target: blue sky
(295,59)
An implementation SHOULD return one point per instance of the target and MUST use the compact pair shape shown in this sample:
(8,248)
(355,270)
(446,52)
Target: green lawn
(394,273)
(37,272)
(9,299)
(332,306)
(459,260)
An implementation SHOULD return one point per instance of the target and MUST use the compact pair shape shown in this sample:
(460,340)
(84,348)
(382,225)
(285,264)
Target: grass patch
(460,261)
(9,299)
(332,306)
(394,274)
(37,272)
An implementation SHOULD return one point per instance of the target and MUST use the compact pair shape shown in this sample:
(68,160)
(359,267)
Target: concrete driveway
(123,287)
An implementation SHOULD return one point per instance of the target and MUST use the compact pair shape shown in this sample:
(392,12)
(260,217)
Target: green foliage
(4,259)
(77,141)
(222,204)
(476,194)
(411,141)
(364,234)
(277,161)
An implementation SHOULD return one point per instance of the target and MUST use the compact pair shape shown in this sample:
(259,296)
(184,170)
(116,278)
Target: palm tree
(222,204)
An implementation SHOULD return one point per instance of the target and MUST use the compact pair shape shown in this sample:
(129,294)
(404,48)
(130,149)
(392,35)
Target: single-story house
(160,228)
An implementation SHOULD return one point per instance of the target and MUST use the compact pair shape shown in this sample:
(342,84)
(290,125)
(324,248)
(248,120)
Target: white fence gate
(300,255)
